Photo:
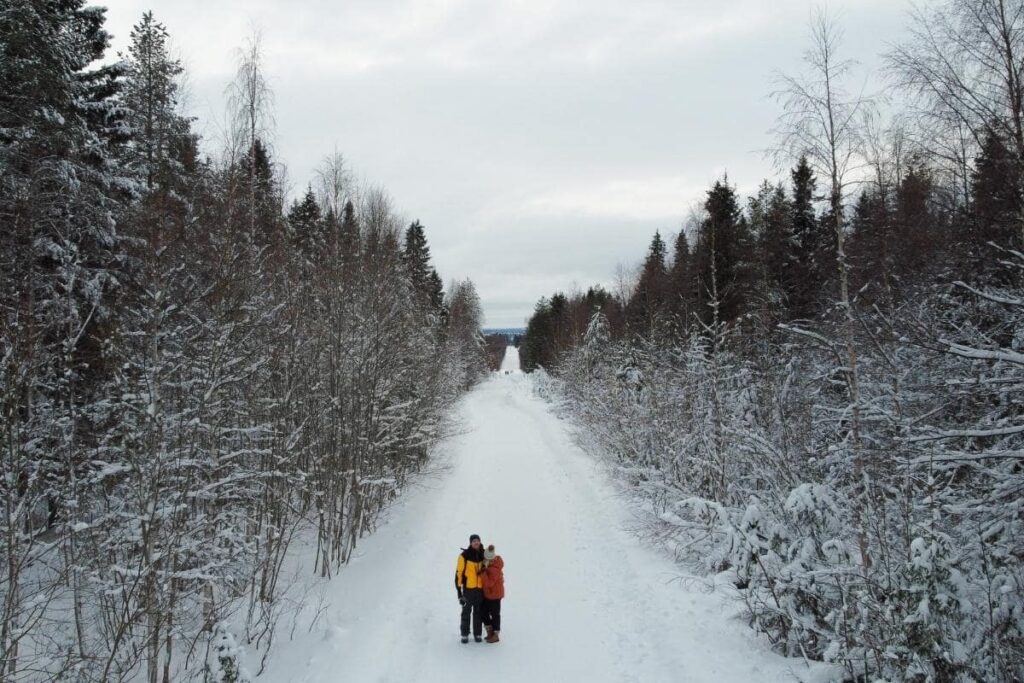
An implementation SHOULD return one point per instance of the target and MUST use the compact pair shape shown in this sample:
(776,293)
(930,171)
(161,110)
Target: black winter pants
(474,605)
(492,613)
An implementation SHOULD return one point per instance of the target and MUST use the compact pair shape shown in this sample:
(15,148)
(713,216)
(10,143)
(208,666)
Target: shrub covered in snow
(895,551)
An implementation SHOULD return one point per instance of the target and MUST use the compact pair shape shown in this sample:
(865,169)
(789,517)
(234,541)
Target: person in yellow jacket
(470,589)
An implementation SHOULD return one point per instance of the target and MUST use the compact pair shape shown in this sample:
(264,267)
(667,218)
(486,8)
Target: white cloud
(541,142)
(655,198)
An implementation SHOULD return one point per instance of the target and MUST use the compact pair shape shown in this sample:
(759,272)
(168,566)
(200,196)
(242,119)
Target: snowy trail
(585,600)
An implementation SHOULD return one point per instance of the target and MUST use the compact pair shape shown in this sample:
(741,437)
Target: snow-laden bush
(226,657)
(933,599)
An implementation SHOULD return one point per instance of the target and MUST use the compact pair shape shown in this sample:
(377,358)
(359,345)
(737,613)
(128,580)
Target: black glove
(462,601)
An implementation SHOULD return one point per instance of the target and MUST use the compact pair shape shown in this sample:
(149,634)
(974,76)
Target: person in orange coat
(492,578)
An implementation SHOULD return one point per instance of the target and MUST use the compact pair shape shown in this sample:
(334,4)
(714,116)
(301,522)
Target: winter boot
(490,632)
(492,637)
(478,639)
(465,639)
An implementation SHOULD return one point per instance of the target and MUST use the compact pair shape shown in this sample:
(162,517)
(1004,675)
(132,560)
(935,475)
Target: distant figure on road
(493,577)
(470,589)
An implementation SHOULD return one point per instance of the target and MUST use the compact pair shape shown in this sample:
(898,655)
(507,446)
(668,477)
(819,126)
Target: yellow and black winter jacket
(467,569)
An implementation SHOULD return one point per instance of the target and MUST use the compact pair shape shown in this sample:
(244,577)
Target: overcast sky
(541,142)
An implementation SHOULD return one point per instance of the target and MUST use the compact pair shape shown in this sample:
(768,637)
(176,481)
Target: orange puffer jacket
(493,579)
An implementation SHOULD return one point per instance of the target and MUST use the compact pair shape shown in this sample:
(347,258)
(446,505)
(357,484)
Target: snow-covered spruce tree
(307,228)
(61,195)
(158,131)
(647,307)
(426,283)
(227,666)
(774,265)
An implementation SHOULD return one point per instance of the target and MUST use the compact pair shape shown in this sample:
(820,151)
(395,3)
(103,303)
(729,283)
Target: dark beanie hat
(474,537)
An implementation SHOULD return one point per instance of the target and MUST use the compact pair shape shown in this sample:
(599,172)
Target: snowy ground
(585,600)
(510,363)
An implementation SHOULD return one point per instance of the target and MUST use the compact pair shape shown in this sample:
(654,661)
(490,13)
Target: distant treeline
(497,341)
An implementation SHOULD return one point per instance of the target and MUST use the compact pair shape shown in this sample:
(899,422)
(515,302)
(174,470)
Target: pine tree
(771,225)
(151,98)
(262,214)
(596,298)
(919,231)
(810,238)
(61,255)
(724,258)
(426,283)
(996,202)
(307,227)
(535,351)
(162,151)
(871,242)
(349,239)
(62,194)
(561,332)
(436,290)
(648,303)
(680,290)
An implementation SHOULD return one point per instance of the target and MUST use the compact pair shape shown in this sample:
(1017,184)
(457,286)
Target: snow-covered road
(585,600)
